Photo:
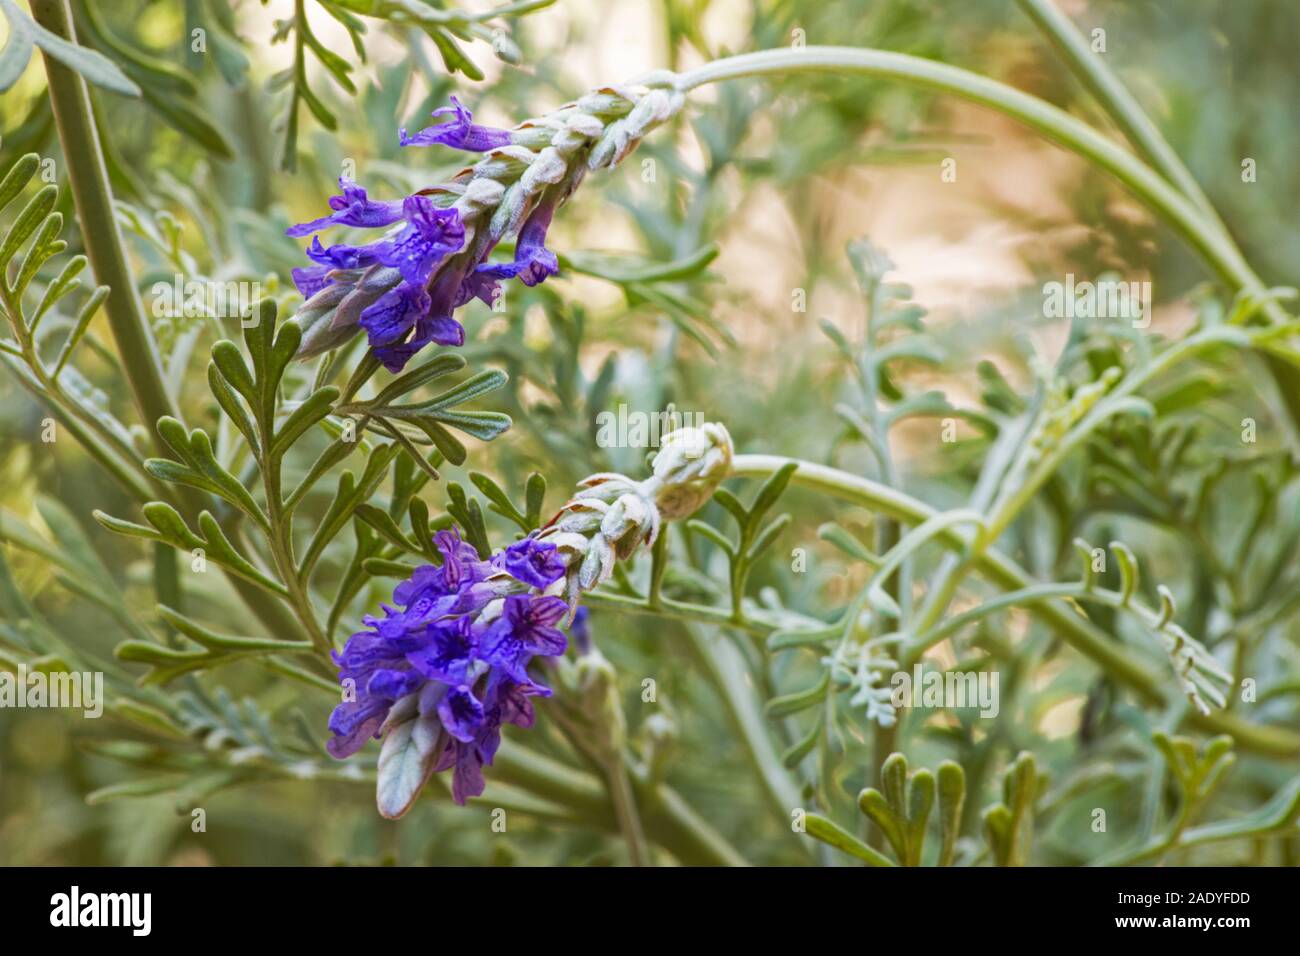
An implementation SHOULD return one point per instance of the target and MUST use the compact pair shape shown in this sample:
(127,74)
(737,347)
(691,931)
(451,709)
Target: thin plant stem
(1016,495)
(629,819)
(1118,102)
(93,198)
(1201,230)
(1051,122)
(1075,629)
(726,671)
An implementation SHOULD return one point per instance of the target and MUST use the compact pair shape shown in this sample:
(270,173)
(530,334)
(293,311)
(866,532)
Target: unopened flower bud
(598,564)
(628,523)
(611,515)
(690,465)
(332,316)
(589,687)
(581,517)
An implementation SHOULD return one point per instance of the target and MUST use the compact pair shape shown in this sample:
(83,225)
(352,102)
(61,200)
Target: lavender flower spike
(438,674)
(456,658)
(409,282)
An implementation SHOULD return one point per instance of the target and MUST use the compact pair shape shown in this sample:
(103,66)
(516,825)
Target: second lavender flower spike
(404,288)
(458,655)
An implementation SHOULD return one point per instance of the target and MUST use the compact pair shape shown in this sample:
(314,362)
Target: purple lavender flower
(414,312)
(505,702)
(476,285)
(352,208)
(461,713)
(535,563)
(430,234)
(367,656)
(311,279)
(438,273)
(525,628)
(460,560)
(391,317)
(433,592)
(533,261)
(443,644)
(468,759)
(451,649)
(402,322)
(341,255)
(459,133)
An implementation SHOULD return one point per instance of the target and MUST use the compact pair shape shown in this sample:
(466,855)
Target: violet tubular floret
(460,132)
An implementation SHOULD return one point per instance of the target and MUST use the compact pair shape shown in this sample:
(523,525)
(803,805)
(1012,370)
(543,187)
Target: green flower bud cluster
(588,690)
(612,515)
(1064,412)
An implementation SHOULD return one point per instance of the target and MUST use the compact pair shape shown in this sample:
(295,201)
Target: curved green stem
(1118,102)
(1025,597)
(93,198)
(932,527)
(1018,493)
(1028,597)
(1051,122)
(753,622)
(1138,128)
(1202,230)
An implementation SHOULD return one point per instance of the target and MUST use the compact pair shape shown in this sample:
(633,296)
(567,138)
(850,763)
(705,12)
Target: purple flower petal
(436,325)
(547,610)
(343,256)
(467,780)
(458,133)
(366,650)
(522,631)
(311,279)
(353,723)
(390,317)
(533,263)
(460,560)
(461,713)
(535,563)
(426,581)
(352,208)
(394,683)
(477,285)
(452,646)
(430,234)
